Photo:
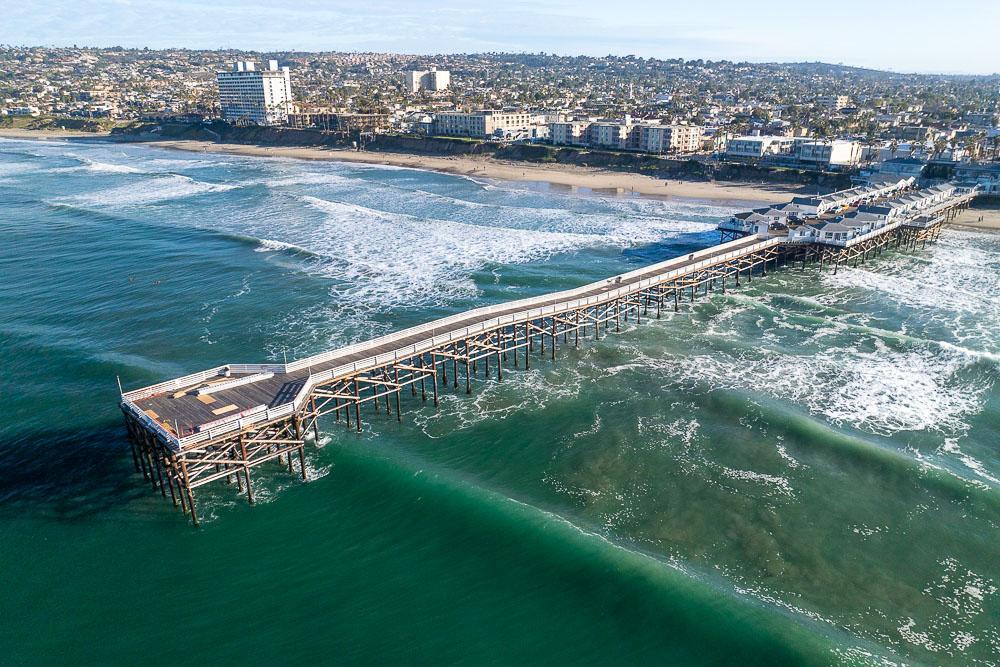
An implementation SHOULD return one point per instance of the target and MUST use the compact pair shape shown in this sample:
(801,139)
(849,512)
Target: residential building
(249,95)
(656,138)
(829,154)
(835,102)
(480,124)
(432,79)
(981,119)
(569,133)
(914,133)
(20,111)
(759,146)
(986,175)
(902,167)
(609,134)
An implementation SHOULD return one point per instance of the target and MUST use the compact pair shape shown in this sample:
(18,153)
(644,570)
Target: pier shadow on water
(68,474)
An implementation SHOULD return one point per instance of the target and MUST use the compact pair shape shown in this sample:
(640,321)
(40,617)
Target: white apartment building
(480,124)
(835,153)
(432,79)
(655,138)
(569,133)
(256,96)
(835,102)
(647,136)
(610,134)
(759,146)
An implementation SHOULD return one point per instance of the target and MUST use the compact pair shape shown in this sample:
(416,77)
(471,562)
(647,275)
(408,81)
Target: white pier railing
(437,333)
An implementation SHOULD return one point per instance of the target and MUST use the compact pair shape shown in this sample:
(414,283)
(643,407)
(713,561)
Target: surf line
(211,426)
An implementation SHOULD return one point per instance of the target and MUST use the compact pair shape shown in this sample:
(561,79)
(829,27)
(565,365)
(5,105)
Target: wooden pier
(221,423)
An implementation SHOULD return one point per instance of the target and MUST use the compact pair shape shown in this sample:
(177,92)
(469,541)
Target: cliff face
(652,165)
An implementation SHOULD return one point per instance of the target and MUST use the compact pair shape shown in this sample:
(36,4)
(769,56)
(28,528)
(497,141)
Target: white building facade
(482,124)
(759,146)
(647,136)
(656,138)
(433,79)
(829,154)
(568,133)
(249,95)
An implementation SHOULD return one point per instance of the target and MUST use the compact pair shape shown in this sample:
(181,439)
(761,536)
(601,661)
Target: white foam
(881,392)
(397,258)
(267,245)
(946,284)
(494,400)
(960,595)
(163,188)
(93,165)
(8,169)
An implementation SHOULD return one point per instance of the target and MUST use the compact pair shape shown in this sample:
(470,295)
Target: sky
(902,35)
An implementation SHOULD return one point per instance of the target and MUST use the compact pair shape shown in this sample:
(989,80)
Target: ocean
(802,471)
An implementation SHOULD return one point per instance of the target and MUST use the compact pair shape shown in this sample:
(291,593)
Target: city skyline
(857,34)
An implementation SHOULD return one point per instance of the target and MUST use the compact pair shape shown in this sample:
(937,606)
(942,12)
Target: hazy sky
(904,35)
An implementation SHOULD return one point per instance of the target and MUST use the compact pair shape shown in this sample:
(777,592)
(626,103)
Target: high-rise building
(432,79)
(256,96)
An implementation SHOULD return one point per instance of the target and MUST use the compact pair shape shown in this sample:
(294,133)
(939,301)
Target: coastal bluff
(651,165)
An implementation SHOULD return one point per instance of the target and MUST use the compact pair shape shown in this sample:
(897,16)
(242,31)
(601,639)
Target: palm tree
(973,143)
(894,146)
(718,135)
(939,147)
(870,143)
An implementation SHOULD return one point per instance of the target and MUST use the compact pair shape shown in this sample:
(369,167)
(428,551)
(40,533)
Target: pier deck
(186,412)
(224,421)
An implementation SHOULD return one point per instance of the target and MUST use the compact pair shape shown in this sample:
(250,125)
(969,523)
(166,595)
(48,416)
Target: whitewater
(803,470)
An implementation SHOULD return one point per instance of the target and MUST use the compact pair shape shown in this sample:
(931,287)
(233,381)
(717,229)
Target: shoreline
(570,177)
(573,178)
(969,218)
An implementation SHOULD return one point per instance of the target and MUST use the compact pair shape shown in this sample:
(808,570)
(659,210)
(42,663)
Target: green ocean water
(804,471)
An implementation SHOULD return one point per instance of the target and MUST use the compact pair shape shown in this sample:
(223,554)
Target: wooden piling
(357,404)
(434,386)
(553,337)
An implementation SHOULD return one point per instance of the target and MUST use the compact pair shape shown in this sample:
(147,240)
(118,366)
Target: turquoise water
(803,471)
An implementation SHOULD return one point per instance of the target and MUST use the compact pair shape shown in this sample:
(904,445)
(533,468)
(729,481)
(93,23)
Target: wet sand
(990,214)
(570,176)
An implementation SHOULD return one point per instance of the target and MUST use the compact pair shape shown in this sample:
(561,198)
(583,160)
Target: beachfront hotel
(249,95)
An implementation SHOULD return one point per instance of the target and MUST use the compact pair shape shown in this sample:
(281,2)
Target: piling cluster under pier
(191,431)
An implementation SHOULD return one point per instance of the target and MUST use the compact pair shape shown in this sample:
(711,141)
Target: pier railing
(438,332)
(565,301)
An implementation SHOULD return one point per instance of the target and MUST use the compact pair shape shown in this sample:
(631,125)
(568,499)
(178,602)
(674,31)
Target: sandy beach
(581,178)
(571,177)
(990,214)
(584,179)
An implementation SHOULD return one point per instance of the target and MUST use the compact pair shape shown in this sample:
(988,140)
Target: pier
(220,424)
